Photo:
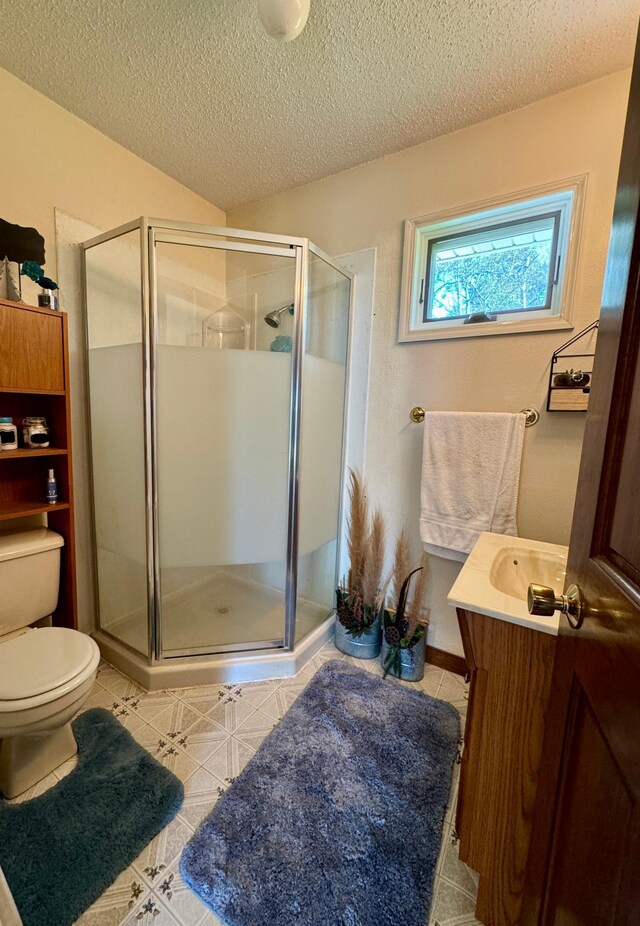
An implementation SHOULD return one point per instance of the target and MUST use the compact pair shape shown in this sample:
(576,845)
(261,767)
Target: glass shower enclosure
(217,370)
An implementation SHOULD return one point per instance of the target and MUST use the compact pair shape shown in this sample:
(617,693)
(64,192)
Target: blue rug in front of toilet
(60,851)
(337,819)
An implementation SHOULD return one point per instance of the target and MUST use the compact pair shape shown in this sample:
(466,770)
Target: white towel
(470,476)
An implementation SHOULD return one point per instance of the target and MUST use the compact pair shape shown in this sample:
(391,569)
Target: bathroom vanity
(510,657)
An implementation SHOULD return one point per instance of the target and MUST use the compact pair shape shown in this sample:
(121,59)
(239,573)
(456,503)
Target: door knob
(542,600)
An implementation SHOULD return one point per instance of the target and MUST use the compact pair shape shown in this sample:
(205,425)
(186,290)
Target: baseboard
(445,660)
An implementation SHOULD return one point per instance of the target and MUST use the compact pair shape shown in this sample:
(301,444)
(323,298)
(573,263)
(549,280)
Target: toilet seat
(44,664)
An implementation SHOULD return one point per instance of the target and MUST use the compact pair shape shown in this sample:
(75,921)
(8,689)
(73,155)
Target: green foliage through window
(503,268)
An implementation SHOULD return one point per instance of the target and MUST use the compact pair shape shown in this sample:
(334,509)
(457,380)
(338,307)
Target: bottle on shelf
(52,488)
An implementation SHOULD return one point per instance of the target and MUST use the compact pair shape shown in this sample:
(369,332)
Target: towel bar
(532,415)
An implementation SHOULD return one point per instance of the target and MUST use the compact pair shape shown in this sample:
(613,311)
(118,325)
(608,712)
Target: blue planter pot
(411,665)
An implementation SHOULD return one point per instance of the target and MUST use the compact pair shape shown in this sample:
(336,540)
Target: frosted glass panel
(114,326)
(222,418)
(323,392)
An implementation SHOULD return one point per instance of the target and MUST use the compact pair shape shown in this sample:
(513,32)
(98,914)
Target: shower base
(223,611)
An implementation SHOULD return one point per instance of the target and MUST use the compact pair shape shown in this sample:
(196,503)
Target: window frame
(553,274)
(565,197)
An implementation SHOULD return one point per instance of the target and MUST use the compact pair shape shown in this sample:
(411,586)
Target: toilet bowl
(46,673)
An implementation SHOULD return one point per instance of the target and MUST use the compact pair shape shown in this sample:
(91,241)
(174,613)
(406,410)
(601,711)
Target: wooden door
(585,865)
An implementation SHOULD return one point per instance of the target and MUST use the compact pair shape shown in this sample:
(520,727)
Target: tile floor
(206,736)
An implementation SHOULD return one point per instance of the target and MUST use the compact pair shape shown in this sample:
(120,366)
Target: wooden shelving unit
(34,380)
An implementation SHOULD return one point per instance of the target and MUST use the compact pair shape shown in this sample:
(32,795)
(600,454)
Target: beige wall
(50,159)
(573,133)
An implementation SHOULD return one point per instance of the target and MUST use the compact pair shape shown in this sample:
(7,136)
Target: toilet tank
(29,577)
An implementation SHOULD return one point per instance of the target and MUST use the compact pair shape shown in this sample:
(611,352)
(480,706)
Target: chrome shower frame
(153,231)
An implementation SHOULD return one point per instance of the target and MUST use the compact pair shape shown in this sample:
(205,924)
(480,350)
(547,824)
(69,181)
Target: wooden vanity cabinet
(510,669)
(34,381)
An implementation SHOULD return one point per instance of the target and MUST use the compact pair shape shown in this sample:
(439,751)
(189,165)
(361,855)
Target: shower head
(273,318)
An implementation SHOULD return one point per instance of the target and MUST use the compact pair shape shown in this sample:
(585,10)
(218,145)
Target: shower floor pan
(223,611)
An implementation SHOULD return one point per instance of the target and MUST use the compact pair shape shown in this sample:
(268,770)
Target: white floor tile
(228,760)
(162,852)
(150,910)
(230,713)
(126,893)
(196,807)
(119,685)
(256,693)
(100,697)
(202,782)
(175,719)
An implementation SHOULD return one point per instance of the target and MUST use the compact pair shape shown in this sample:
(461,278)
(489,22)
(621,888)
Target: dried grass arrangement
(361,595)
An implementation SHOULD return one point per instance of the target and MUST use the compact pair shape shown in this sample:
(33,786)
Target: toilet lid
(42,660)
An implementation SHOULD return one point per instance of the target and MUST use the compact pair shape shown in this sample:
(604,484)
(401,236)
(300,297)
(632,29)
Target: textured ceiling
(199,90)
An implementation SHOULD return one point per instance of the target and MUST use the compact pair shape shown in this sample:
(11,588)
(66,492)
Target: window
(495,270)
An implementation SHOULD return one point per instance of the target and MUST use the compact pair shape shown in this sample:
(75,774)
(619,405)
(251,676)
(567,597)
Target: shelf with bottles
(20,406)
(24,476)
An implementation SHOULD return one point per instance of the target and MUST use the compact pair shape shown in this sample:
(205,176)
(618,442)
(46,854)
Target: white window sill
(433,331)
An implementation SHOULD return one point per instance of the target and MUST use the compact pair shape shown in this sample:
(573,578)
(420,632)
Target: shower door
(115,331)
(323,383)
(224,439)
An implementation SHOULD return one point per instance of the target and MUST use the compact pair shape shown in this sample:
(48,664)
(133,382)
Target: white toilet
(46,673)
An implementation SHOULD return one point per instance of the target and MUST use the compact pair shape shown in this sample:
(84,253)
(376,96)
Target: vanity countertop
(495,578)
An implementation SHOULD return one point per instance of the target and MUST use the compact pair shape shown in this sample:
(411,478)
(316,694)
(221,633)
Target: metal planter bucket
(364,645)
(410,667)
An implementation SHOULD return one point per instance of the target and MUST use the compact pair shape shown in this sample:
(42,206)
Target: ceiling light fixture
(283,20)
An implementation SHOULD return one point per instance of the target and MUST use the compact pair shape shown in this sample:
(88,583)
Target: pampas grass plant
(361,597)
(357,534)
(373,561)
(416,608)
(400,567)
(406,615)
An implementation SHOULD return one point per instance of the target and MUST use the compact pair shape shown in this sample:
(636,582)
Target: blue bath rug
(61,850)
(337,819)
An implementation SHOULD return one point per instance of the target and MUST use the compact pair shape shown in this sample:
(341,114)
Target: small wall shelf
(34,380)
(569,388)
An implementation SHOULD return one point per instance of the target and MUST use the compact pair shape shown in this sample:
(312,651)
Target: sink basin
(496,576)
(515,567)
